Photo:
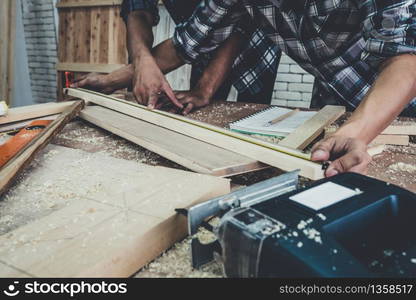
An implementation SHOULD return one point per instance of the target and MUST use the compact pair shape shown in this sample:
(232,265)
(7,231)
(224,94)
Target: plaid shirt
(341,42)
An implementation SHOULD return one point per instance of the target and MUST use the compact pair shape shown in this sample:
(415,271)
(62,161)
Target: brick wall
(293,85)
(41,44)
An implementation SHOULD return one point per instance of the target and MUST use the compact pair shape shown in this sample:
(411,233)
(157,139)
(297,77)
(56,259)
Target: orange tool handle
(12,146)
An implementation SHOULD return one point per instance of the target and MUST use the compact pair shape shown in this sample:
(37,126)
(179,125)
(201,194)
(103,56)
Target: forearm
(393,90)
(220,65)
(166,56)
(121,78)
(139,35)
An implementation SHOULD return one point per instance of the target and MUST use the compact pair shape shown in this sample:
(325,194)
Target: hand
(347,155)
(150,85)
(94,81)
(192,99)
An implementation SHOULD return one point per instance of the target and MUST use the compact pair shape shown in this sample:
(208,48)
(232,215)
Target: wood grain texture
(311,129)
(9,172)
(191,153)
(120,216)
(34,111)
(256,149)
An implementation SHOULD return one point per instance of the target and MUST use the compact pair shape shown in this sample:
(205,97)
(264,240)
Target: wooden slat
(86,68)
(311,129)
(34,111)
(267,153)
(87,3)
(188,152)
(9,172)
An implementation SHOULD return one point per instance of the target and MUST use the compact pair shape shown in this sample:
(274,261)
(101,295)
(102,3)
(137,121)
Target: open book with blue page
(258,123)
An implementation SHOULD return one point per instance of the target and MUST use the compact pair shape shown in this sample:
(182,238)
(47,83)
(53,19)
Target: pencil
(282,117)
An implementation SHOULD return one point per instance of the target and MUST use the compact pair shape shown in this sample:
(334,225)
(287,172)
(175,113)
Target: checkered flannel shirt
(341,42)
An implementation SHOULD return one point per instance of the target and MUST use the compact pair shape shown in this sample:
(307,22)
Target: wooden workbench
(396,165)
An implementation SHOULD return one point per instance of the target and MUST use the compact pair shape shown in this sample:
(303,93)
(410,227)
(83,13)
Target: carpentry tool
(12,146)
(3,108)
(349,225)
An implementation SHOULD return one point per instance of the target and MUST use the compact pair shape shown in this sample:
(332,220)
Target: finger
(138,97)
(188,108)
(152,102)
(80,78)
(180,95)
(171,95)
(321,151)
(354,161)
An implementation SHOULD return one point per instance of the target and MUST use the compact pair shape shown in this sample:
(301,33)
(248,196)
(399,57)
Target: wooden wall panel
(91,33)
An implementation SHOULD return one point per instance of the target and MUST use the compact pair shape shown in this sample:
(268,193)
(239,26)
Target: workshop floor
(396,165)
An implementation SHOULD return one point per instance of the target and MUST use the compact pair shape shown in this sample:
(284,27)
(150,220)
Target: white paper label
(324,195)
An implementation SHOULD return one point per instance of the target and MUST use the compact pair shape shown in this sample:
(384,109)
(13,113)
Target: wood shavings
(403,167)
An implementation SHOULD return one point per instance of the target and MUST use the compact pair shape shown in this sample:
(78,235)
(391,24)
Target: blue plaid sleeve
(212,22)
(147,5)
(389,29)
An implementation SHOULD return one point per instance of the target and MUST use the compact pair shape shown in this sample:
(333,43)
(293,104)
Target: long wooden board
(86,68)
(34,111)
(10,171)
(271,154)
(110,218)
(311,129)
(188,152)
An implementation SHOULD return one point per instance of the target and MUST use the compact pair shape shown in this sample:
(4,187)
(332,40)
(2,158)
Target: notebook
(258,123)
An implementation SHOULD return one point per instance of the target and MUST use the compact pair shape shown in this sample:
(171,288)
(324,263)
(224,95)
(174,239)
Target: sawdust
(176,262)
(400,166)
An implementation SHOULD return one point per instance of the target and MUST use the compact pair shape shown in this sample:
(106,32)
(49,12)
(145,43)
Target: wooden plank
(374,150)
(311,129)
(121,215)
(7,37)
(87,3)
(21,124)
(385,139)
(85,67)
(268,153)
(34,111)
(188,152)
(408,129)
(9,172)
(392,139)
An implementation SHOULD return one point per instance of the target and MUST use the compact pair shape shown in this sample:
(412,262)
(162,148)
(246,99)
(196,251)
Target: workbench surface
(397,164)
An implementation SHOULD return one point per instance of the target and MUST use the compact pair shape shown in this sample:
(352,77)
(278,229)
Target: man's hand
(347,155)
(150,85)
(94,81)
(192,99)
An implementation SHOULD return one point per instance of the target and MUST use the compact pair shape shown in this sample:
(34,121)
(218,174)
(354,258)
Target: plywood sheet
(107,216)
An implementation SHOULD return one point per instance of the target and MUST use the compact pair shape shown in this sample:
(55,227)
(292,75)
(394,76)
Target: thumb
(322,150)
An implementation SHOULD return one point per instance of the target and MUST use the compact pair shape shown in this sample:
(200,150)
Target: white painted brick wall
(293,85)
(41,45)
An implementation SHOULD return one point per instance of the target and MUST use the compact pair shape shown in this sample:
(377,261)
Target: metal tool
(349,225)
